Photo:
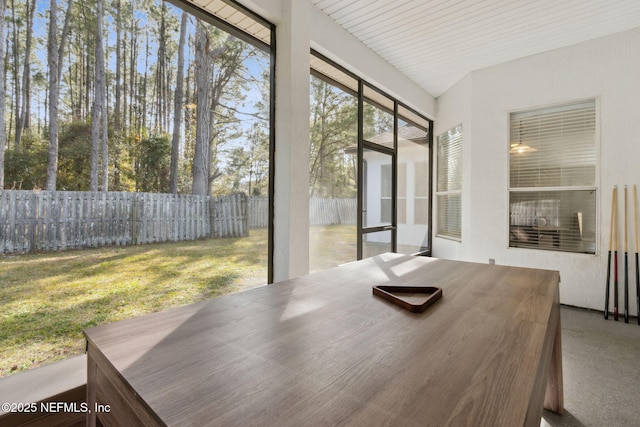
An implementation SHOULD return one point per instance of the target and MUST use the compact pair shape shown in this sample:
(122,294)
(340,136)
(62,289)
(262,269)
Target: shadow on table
(551,419)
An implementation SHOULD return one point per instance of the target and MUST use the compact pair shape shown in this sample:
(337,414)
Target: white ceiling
(437,42)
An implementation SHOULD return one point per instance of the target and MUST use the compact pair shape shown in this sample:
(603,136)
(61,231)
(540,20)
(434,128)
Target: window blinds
(553,147)
(552,176)
(449,160)
(449,183)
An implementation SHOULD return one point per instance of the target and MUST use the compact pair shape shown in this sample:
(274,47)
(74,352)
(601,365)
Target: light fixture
(520,148)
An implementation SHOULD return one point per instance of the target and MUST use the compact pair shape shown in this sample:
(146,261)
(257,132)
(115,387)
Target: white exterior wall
(411,232)
(408,233)
(605,69)
(375,161)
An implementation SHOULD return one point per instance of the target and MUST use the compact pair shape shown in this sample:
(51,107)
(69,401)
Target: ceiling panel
(437,42)
(236,18)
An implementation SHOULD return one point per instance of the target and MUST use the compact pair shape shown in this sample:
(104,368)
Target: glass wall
(377,189)
(413,199)
(154,191)
(390,165)
(376,243)
(332,171)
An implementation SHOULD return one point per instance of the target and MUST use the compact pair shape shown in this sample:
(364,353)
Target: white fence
(321,211)
(332,211)
(44,221)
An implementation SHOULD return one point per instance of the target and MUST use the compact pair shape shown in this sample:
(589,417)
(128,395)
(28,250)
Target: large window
(333,124)
(552,178)
(449,184)
(414,183)
(370,160)
(157,129)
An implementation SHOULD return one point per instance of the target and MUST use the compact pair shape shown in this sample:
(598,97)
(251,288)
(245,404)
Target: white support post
(291,219)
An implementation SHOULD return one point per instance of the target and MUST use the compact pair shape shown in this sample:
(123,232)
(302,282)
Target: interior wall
(605,69)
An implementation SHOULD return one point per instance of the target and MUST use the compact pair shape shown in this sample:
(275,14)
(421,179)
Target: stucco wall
(605,69)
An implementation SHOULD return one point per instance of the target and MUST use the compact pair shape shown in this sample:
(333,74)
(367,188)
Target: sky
(254,66)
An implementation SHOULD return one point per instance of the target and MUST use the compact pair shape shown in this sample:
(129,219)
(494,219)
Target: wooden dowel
(635,216)
(614,218)
(608,280)
(625,220)
(615,254)
(635,221)
(626,259)
(613,212)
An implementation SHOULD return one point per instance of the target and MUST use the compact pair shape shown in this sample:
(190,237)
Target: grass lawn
(46,300)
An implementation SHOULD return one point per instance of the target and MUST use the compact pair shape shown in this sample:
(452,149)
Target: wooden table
(322,350)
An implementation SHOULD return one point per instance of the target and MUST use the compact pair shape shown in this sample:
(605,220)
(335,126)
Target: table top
(323,350)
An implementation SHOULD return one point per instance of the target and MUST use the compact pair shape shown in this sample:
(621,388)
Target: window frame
(449,192)
(369,93)
(595,188)
(386,171)
(271,48)
(421,197)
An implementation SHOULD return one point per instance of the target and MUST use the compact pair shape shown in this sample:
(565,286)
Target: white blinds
(553,147)
(450,160)
(449,183)
(449,215)
(552,176)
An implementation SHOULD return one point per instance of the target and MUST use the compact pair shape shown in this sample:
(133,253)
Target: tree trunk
(203,77)
(63,38)
(3,135)
(210,86)
(23,117)
(125,118)
(117,106)
(86,84)
(101,95)
(177,107)
(161,66)
(133,87)
(143,123)
(104,111)
(76,95)
(98,113)
(86,58)
(16,77)
(52,57)
(55,53)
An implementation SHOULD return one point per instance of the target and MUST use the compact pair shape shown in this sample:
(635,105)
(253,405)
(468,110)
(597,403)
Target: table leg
(554,396)
(92,369)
